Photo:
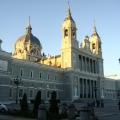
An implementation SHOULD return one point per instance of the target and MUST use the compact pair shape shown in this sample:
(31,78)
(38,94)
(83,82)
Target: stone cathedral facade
(73,74)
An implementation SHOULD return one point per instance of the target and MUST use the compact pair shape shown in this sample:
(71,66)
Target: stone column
(86,88)
(92,66)
(42,112)
(90,89)
(71,111)
(82,62)
(64,107)
(88,65)
(82,87)
(78,87)
(93,89)
(85,64)
(84,113)
(95,67)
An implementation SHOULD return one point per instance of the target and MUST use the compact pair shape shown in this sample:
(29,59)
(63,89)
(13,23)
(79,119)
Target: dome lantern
(28,28)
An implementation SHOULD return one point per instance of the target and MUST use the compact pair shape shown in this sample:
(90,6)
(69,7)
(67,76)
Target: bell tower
(95,43)
(69,40)
(96,49)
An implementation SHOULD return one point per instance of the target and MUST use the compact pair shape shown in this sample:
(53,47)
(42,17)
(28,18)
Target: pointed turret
(68,15)
(28,28)
(94,33)
(95,42)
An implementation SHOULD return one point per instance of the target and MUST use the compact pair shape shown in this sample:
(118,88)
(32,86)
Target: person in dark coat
(97,102)
(119,104)
(102,103)
(94,103)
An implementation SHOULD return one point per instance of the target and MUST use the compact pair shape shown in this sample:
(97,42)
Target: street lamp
(17,81)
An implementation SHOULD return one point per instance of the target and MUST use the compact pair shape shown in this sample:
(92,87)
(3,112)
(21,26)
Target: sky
(46,17)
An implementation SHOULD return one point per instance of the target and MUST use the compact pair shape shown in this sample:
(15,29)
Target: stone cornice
(88,53)
(41,81)
(69,70)
(35,65)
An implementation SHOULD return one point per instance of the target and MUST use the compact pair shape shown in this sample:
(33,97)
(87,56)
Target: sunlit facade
(73,74)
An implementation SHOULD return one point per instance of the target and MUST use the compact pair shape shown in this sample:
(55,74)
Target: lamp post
(17,81)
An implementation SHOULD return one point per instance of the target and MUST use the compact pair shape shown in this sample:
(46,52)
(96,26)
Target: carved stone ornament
(75,81)
(3,65)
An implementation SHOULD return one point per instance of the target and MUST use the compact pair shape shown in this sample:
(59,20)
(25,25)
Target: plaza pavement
(109,112)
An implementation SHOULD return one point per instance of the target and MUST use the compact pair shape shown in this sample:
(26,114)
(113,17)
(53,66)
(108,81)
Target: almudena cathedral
(73,74)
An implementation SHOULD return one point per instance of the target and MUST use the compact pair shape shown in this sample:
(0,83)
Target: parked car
(3,108)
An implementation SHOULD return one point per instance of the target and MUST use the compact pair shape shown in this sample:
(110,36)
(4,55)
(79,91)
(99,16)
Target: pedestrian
(88,103)
(119,104)
(97,102)
(94,103)
(102,103)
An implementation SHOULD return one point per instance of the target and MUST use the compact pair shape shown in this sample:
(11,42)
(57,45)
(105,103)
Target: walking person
(119,104)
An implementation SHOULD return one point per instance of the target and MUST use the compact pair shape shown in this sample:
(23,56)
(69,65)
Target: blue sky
(46,21)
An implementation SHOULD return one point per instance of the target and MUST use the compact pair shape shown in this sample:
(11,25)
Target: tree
(37,101)
(54,103)
(24,104)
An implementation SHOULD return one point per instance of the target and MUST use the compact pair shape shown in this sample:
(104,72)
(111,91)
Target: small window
(21,72)
(48,77)
(31,74)
(10,92)
(73,33)
(40,75)
(31,93)
(20,92)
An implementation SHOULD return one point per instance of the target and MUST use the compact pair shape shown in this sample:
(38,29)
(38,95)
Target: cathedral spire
(68,15)
(94,30)
(68,7)
(28,28)
(29,22)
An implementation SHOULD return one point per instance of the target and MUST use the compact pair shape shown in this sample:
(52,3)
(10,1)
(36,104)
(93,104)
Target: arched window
(66,32)
(73,33)
(93,46)
(33,51)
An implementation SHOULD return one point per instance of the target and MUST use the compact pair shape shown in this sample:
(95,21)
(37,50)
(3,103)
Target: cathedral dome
(28,38)
(28,46)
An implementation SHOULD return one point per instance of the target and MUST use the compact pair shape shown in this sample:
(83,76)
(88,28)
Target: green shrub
(37,101)
(23,103)
(54,104)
